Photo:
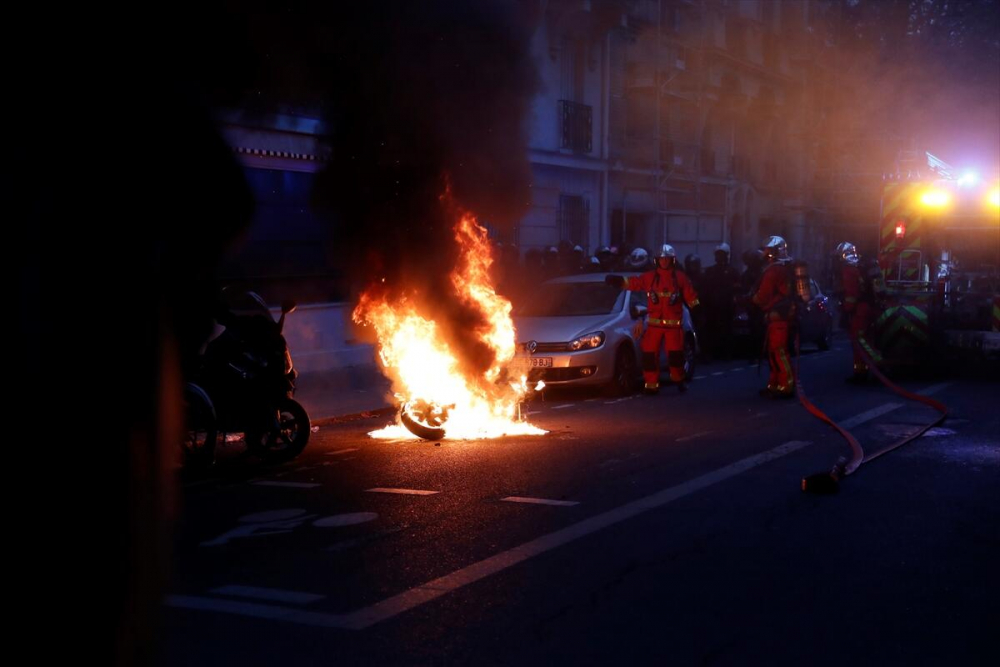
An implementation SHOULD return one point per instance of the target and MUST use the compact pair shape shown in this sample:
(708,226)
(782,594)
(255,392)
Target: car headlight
(587,341)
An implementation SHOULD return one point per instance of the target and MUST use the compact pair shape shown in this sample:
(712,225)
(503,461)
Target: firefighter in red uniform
(859,304)
(775,296)
(668,290)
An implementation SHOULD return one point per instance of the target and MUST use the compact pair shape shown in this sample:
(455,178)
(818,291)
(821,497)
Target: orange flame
(422,365)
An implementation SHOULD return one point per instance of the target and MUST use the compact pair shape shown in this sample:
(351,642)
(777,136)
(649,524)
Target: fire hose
(828,482)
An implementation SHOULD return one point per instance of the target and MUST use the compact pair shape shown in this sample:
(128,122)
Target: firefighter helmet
(667,250)
(775,249)
(723,247)
(638,258)
(847,253)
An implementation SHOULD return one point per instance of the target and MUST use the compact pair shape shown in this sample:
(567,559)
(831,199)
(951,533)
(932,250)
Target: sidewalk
(342,392)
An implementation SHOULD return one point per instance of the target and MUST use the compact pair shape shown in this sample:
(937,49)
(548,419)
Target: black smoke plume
(419,98)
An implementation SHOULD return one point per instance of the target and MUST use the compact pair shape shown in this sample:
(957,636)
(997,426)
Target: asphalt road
(648,530)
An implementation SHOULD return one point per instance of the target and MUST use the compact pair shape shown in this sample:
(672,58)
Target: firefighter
(859,305)
(667,290)
(775,296)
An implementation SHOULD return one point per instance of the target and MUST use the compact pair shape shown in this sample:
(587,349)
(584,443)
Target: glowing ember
(424,369)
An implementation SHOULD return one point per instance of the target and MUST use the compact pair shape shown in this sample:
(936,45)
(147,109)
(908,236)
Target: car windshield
(572,299)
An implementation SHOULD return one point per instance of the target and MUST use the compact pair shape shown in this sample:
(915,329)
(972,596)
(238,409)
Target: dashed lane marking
(693,436)
(290,485)
(427,592)
(539,501)
(272,594)
(405,492)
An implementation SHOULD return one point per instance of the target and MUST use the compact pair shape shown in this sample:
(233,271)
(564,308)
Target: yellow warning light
(935,198)
(994,198)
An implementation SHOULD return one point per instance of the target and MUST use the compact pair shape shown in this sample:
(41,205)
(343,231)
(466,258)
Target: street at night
(505,332)
(651,530)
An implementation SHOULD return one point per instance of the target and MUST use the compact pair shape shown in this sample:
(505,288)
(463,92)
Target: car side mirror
(288,306)
(638,311)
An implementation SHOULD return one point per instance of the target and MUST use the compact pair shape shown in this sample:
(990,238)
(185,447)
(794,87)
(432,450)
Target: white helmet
(638,258)
(723,247)
(847,253)
(775,249)
(667,250)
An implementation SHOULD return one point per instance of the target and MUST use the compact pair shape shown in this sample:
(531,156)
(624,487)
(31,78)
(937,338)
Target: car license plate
(532,362)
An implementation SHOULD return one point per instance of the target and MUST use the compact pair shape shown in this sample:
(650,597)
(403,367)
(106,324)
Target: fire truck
(939,254)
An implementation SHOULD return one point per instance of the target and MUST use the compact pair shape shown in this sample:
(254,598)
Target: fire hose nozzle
(826,483)
(823,483)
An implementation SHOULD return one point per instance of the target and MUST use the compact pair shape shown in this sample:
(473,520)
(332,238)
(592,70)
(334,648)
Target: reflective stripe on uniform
(664,323)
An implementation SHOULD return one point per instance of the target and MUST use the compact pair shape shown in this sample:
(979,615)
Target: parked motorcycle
(245,384)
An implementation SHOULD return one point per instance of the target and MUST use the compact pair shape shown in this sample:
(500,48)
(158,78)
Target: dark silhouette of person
(720,285)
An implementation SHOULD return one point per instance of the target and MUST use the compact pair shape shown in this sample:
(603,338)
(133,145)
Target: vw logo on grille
(531,346)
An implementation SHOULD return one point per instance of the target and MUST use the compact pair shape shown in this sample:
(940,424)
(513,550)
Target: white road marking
(719,373)
(560,407)
(272,594)
(533,412)
(342,451)
(880,410)
(935,388)
(737,370)
(351,519)
(619,400)
(693,436)
(869,415)
(414,597)
(539,501)
(699,377)
(291,485)
(406,492)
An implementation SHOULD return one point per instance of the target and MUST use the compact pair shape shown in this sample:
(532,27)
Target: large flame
(422,365)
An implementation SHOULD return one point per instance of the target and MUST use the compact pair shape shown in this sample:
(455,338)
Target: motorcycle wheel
(287,438)
(200,428)
(420,419)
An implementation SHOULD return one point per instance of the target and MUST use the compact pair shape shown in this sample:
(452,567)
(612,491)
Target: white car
(578,330)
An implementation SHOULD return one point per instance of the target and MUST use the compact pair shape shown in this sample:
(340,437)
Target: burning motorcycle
(424,419)
(428,419)
(245,384)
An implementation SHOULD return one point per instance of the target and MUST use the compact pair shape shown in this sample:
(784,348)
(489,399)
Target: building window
(574,220)
(577,121)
